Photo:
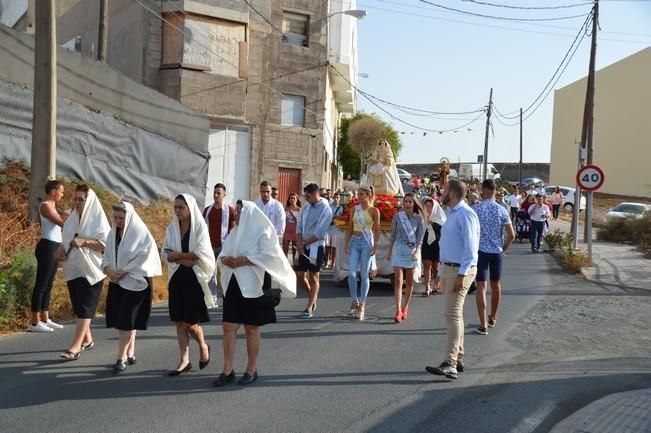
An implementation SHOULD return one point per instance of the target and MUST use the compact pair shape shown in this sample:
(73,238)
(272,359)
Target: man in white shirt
(514,203)
(539,213)
(272,208)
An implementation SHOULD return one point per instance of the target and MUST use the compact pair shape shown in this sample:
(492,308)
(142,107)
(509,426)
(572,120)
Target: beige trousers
(454,310)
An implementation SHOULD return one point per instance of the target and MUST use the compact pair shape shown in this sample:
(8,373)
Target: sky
(424,57)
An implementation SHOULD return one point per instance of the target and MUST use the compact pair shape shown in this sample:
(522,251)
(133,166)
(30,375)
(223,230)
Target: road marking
(532,422)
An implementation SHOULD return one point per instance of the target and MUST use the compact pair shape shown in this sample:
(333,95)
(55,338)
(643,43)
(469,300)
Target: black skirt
(431,251)
(186,303)
(249,311)
(127,310)
(84,297)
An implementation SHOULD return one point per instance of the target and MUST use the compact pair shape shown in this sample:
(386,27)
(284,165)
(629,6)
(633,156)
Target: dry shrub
(18,238)
(574,261)
(633,231)
(364,134)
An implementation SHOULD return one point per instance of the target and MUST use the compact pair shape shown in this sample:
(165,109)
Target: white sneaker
(53,325)
(41,327)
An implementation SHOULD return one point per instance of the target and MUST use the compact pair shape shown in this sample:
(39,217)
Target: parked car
(568,197)
(404,175)
(528,181)
(629,210)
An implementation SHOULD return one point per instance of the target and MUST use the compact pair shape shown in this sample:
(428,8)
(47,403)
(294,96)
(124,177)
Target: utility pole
(43,162)
(520,167)
(587,136)
(488,121)
(102,40)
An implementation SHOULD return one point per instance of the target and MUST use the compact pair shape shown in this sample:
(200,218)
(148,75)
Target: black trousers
(46,270)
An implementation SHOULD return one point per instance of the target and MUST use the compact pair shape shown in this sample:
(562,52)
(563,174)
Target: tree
(369,128)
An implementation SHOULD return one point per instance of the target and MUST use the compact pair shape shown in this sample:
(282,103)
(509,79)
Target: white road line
(532,422)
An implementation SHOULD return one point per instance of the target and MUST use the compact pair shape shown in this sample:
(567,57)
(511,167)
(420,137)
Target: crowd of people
(240,254)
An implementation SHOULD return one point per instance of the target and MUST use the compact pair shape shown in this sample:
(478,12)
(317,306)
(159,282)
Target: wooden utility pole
(102,39)
(520,166)
(588,140)
(488,125)
(43,162)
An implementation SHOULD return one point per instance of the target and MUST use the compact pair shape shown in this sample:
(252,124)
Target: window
(293,110)
(295,29)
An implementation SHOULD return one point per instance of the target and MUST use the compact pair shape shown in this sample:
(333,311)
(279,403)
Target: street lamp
(355,13)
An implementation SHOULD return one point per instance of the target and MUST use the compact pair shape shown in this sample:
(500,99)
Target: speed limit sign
(590,177)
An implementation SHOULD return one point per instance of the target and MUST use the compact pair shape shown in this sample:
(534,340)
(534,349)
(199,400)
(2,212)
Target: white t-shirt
(515,200)
(539,213)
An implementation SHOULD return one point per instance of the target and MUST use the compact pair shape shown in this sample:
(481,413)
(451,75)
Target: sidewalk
(613,264)
(626,412)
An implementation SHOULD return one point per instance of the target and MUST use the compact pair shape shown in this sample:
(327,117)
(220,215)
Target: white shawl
(200,245)
(255,238)
(137,254)
(438,216)
(92,225)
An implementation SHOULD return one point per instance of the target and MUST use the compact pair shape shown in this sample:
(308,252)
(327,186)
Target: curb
(625,412)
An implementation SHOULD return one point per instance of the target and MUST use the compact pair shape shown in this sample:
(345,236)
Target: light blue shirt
(459,241)
(316,223)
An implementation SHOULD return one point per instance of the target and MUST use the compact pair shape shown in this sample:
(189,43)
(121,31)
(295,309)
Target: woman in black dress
(250,258)
(435,217)
(191,261)
(130,261)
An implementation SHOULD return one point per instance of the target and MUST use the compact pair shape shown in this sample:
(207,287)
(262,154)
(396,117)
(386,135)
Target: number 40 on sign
(590,177)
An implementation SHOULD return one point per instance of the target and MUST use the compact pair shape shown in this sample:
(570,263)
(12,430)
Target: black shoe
(185,369)
(248,379)
(491,322)
(473,288)
(481,331)
(444,369)
(224,379)
(119,366)
(131,360)
(460,366)
(204,364)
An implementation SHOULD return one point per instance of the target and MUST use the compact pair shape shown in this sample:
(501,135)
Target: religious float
(380,173)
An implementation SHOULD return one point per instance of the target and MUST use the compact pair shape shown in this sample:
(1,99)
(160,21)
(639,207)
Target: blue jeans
(536,233)
(360,255)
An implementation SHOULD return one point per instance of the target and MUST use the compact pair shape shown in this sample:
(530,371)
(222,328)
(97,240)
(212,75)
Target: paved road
(333,375)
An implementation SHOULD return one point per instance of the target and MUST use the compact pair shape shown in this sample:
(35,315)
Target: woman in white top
(130,261)
(251,257)
(84,237)
(514,203)
(51,223)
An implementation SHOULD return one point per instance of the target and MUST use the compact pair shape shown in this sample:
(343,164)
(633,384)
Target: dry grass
(18,237)
(574,261)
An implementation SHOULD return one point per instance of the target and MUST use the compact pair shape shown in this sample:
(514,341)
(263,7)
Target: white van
(472,171)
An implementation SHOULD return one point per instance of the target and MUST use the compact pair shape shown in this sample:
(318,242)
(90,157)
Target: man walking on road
(313,223)
(493,219)
(459,245)
(272,208)
(539,213)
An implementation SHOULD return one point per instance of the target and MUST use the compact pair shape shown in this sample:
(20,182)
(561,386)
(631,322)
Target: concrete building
(274,78)
(622,128)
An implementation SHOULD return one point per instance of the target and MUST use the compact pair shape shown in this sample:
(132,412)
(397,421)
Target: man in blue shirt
(313,223)
(493,221)
(458,245)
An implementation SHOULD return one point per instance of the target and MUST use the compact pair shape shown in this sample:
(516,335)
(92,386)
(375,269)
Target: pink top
(557,198)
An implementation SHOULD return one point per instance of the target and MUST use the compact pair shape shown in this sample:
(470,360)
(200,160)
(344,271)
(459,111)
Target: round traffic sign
(590,177)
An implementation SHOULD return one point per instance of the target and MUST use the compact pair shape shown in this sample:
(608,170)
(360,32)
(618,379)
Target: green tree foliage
(347,157)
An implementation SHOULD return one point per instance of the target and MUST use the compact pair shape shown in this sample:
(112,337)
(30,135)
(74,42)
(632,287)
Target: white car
(404,175)
(568,197)
(628,210)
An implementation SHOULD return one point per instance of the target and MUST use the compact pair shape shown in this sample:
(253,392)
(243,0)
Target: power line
(403,107)
(261,15)
(499,17)
(528,7)
(577,41)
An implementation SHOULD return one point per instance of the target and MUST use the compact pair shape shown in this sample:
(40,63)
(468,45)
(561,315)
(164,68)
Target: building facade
(273,76)
(622,127)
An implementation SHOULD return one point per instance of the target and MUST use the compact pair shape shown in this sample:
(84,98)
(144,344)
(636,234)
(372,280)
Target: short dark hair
(264,184)
(273,188)
(311,188)
(82,188)
(489,185)
(457,187)
(52,185)
(220,185)
(180,197)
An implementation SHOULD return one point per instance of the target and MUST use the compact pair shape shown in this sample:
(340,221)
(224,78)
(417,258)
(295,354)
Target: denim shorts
(492,263)
(402,256)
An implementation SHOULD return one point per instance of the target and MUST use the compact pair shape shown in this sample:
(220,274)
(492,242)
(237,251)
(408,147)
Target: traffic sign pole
(589,177)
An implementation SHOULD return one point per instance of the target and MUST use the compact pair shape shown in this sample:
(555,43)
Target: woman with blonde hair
(361,240)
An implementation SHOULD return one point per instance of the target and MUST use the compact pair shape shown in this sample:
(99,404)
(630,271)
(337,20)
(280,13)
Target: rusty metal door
(289,180)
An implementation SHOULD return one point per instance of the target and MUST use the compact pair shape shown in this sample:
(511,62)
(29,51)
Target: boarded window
(295,29)
(213,43)
(293,110)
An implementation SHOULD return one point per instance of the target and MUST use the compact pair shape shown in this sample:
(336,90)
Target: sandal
(70,356)
(427,293)
(88,346)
